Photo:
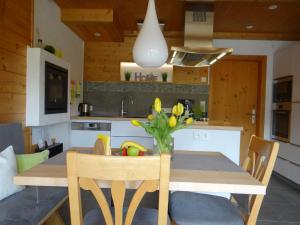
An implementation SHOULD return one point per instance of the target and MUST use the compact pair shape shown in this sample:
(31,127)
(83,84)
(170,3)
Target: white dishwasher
(84,134)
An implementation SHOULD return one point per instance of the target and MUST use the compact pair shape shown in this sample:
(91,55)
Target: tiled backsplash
(106,97)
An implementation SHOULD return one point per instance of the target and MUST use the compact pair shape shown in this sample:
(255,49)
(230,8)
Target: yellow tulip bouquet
(160,126)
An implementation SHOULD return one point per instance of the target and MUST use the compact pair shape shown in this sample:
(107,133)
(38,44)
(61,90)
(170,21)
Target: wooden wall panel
(187,75)
(102,61)
(15,30)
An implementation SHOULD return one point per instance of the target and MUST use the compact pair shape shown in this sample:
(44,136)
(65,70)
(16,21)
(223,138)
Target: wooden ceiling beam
(87,15)
(87,23)
(257,36)
(238,1)
(232,35)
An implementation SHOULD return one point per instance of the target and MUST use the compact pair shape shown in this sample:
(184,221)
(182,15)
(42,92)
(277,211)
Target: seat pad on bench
(22,208)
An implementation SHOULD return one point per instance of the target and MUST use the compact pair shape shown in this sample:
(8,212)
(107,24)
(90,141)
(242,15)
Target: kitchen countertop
(211,125)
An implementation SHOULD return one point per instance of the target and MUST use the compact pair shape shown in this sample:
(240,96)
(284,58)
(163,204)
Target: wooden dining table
(194,171)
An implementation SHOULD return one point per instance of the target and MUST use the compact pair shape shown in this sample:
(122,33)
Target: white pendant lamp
(150,48)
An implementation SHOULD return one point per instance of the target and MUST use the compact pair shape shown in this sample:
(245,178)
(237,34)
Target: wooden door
(236,92)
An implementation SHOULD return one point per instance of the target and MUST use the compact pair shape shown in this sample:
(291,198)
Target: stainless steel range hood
(198,35)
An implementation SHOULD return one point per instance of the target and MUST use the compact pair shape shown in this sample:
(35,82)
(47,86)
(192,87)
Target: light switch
(203,79)
(201,136)
(196,135)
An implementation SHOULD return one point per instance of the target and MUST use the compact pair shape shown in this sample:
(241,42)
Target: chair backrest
(259,163)
(12,134)
(84,170)
(99,147)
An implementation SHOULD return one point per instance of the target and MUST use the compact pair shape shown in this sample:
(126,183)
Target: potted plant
(164,76)
(161,126)
(127,75)
(198,110)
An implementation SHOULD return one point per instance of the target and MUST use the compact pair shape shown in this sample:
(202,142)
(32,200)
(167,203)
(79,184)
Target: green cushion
(27,161)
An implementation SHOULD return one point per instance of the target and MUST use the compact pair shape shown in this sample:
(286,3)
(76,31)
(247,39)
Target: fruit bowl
(131,148)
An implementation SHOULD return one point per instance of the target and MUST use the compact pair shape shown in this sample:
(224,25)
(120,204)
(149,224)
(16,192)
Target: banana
(126,144)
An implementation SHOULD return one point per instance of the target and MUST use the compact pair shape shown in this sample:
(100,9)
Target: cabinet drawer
(295,124)
(288,170)
(146,142)
(125,129)
(85,138)
(289,152)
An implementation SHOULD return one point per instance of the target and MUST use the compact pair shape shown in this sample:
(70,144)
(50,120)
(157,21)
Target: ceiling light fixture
(97,34)
(249,27)
(272,7)
(150,48)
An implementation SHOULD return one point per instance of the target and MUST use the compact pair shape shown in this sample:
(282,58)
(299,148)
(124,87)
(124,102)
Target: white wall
(49,28)
(260,48)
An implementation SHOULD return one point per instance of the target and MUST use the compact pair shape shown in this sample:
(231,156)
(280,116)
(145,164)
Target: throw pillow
(27,161)
(8,169)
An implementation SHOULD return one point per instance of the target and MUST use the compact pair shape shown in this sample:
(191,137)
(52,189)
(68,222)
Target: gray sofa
(33,205)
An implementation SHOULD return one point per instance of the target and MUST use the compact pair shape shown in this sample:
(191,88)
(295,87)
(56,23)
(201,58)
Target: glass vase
(164,146)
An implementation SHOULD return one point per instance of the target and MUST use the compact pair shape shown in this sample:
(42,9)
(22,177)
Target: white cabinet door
(295,124)
(225,141)
(289,152)
(288,169)
(125,128)
(85,138)
(147,142)
(283,63)
(296,73)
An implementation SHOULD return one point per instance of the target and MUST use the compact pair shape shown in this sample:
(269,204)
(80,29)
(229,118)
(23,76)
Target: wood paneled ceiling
(115,18)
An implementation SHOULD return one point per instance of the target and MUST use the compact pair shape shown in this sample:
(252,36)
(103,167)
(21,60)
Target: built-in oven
(56,89)
(282,89)
(281,121)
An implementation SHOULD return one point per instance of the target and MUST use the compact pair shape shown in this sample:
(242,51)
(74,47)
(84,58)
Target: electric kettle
(84,109)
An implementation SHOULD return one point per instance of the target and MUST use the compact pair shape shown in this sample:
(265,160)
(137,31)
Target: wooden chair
(99,147)
(193,208)
(84,170)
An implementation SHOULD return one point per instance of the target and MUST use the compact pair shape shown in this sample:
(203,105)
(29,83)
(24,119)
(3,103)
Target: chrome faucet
(123,112)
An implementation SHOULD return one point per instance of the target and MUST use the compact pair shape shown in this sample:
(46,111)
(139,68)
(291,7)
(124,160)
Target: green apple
(133,151)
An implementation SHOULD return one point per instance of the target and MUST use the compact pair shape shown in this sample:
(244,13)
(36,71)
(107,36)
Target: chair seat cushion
(143,216)
(22,208)
(187,208)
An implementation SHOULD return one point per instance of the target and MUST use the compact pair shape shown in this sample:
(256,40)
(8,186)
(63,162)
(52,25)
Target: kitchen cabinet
(125,128)
(289,152)
(85,138)
(283,61)
(124,131)
(287,62)
(85,133)
(147,142)
(288,169)
(296,73)
(224,141)
(295,124)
